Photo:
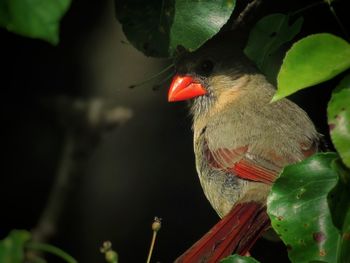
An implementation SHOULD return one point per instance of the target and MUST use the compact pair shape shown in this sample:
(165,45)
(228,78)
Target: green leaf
(156,28)
(12,247)
(339,119)
(299,211)
(34,18)
(266,37)
(312,60)
(146,24)
(197,21)
(238,259)
(339,203)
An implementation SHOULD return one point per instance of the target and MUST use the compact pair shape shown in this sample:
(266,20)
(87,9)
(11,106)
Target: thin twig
(342,27)
(155,227)
(245,13)
(301,10)
(154,236)
(84,123)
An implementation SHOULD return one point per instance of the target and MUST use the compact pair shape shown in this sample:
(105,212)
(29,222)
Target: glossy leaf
(312,60)
(146,24)
(34,18)
(12,247)
(339,203)
(238,259)
(197,21)
(266,37)
(299,211)
(156,28)
(339,119)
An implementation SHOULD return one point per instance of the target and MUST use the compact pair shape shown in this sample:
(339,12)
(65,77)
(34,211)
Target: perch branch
(84,124)
(46,226)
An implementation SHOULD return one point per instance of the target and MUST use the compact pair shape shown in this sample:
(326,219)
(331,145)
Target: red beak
(185,87)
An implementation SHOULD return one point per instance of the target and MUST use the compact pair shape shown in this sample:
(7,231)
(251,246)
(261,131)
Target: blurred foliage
(157,27)
(12,247)
(33,18)
(266,37)
(339,119)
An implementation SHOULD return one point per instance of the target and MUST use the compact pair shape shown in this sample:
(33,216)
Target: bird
(241,142)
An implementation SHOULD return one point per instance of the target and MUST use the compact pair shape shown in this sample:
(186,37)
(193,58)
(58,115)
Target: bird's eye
(206,67)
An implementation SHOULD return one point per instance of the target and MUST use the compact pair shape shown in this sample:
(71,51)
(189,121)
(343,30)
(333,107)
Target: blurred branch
(84,122)
(49,217)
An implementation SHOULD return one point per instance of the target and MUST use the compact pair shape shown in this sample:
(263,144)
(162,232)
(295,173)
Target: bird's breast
(222,189)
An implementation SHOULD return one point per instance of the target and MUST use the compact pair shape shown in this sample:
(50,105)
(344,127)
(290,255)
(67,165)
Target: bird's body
(264,133)
(241,143)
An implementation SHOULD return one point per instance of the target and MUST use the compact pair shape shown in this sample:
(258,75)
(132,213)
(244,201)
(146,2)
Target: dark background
(142,169)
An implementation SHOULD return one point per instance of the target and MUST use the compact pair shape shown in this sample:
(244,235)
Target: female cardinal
(241,143)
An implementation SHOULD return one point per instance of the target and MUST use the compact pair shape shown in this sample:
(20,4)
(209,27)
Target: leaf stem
(155,227)
(301,10)
(50,216)
(152,246)
(52,250)
(340,24)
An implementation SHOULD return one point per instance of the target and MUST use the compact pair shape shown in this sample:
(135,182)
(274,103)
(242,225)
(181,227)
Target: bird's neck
(246,92)
(227,92)
(202,105)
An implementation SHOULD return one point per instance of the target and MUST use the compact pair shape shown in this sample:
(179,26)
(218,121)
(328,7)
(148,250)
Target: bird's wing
(243,164)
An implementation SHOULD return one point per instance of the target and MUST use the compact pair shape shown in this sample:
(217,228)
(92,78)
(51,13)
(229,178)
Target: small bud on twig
(110,255)
(157,224)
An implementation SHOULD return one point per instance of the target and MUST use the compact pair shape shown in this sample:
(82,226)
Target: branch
(47,224)
(84,124)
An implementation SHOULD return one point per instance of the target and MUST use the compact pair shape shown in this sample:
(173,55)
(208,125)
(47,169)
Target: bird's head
(214,70)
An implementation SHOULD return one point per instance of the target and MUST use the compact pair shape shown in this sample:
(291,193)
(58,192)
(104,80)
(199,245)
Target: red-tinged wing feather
(234,233)
(242,164)
(250,170)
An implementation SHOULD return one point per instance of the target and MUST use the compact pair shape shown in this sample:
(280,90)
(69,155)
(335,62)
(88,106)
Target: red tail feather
(236,232)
